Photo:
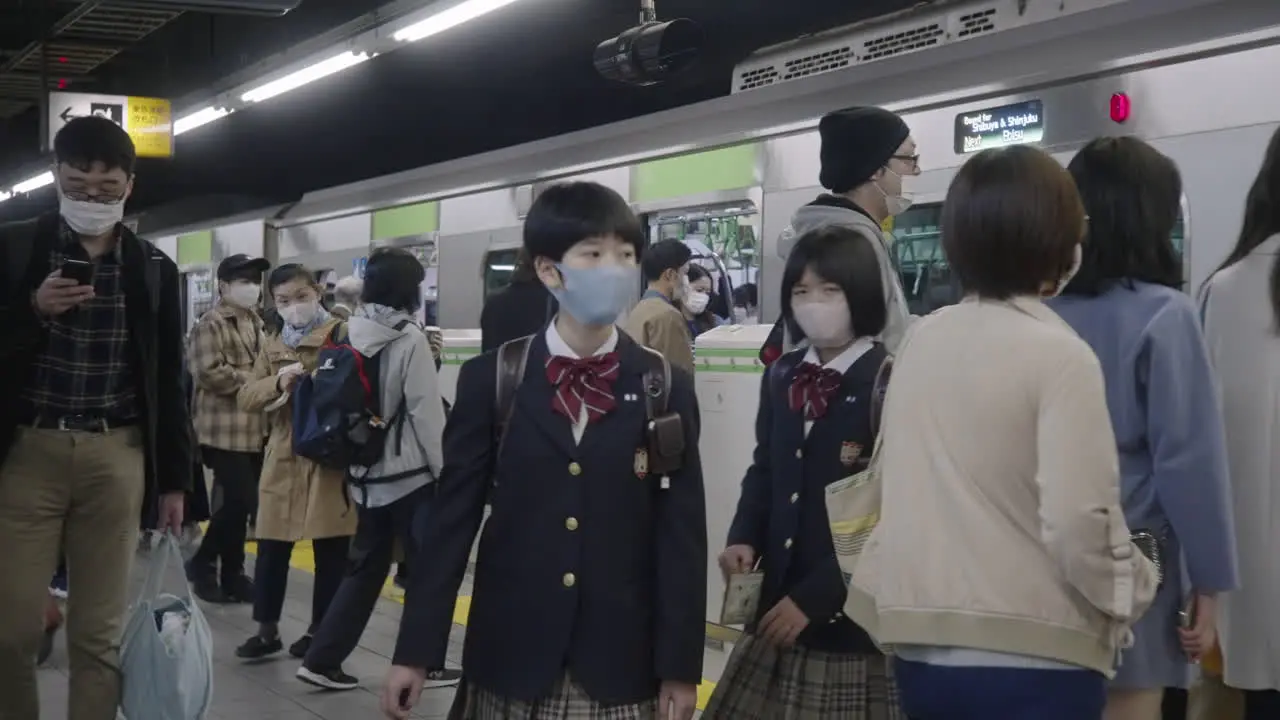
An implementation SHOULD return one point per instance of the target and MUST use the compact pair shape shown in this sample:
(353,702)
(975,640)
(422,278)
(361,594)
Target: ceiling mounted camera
(272,8)
(650,52)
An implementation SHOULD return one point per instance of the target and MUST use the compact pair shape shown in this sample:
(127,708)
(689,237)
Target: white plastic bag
(167,658)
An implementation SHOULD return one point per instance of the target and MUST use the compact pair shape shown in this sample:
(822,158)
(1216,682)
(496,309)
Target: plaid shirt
(86,366)
(221,351)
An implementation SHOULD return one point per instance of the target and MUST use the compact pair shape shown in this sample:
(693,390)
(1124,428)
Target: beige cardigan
(1001,528)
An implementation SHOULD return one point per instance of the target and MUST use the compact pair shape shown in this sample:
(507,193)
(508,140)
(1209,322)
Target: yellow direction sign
(149,121)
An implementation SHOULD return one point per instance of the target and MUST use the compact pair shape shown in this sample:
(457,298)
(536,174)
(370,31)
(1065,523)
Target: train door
(724,241)
(198,294)
(922,266)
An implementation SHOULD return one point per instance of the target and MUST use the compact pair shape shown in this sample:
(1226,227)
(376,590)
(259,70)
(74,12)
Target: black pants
(1261,705)
(235,500)
(376,535)
(271,577)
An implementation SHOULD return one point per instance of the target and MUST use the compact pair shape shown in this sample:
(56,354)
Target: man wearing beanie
(867,153)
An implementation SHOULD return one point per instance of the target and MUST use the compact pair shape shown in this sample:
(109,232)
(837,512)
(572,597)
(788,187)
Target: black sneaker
(258,647)
(299,649)
(444,677)
(332,679)
(239,590)
(204,583)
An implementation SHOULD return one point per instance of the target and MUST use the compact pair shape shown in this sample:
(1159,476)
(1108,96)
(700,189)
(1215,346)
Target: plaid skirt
(566,701)
(762,682)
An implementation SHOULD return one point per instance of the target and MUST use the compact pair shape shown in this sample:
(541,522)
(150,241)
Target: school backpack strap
(513,357)
(19,240)
(664,430)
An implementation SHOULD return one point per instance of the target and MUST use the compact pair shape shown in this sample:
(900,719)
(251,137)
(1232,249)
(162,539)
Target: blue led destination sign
(1018,124)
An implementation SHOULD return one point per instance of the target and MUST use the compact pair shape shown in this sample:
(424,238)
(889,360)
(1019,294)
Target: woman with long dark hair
(1240,305)
(1126,301)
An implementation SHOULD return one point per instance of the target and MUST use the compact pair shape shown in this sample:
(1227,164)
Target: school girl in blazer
(801,658)
(590,586)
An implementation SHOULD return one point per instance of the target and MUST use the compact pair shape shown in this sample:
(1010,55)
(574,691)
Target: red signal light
(1120,107)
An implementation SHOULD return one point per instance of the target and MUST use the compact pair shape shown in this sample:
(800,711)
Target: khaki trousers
(1133,705)
(82,492)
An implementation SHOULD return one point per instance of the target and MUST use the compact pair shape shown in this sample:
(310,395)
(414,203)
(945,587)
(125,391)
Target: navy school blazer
(585,563)
(782,512)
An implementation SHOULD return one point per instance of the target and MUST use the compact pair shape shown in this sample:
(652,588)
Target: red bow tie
(811,389)
(587,382)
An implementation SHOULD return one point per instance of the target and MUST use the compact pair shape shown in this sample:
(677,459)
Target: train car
(726,175)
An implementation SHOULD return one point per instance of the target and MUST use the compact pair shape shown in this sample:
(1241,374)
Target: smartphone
(1187,615)
(79,270)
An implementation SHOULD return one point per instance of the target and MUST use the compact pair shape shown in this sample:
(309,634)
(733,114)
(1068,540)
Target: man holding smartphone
(94,428)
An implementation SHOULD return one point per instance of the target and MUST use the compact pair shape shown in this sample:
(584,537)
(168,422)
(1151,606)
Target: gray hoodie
(407,372)
(833,210)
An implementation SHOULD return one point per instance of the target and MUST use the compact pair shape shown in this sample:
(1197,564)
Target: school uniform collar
(845,360)
(557,346)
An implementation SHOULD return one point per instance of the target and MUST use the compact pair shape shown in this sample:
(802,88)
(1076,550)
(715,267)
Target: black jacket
(585,562)
(155,327)
(522,308)
(782,511)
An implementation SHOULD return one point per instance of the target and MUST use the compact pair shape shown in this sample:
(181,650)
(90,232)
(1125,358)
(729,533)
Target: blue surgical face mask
(595,296)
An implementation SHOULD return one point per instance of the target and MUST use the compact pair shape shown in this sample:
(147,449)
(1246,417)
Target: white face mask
(299,315)
(243,295)
(826,323)
(1075,268)
(897,204)
(90,218)
(697,301)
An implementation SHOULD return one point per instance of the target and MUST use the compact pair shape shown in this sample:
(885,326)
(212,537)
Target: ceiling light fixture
(465,11)
(305,76)
(34,183)
(198,118)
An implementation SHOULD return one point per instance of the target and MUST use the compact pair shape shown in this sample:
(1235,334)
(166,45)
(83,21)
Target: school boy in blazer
(590,587)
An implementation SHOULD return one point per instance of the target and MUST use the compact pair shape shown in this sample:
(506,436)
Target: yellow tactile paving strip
(303,559)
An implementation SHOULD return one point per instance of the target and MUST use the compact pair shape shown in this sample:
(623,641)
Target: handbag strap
(880,389)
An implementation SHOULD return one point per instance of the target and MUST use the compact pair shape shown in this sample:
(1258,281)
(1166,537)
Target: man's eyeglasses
(80,196)
(912,160)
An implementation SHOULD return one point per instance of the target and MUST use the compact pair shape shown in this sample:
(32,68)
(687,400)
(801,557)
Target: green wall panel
(406,220)
(195,248)
(728,168)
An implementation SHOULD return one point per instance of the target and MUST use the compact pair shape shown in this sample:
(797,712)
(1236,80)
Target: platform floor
(269,691)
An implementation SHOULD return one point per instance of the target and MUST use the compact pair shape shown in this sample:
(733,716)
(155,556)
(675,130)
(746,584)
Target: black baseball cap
(241,265)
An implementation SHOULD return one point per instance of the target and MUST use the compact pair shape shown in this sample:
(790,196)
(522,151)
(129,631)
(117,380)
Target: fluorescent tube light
(464,11)
(306,75)
(34,183)
(198,118)
(5,196)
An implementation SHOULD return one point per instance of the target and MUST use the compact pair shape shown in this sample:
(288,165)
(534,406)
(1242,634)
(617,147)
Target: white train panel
(350,232)
(482,211)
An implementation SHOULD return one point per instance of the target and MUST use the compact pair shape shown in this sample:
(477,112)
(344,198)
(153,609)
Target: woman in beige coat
(297,499)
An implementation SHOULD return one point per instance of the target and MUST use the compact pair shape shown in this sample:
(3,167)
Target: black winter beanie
(856,142)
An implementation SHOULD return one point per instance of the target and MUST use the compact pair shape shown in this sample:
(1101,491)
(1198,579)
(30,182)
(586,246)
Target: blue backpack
(337,418)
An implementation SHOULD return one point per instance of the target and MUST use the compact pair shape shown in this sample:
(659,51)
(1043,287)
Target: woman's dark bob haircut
(566,214)
(1011,223)
(842,256)
(393,277)
(288,273)
(1132,195)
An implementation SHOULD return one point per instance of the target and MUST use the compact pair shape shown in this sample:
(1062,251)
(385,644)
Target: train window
(428,255)
(198,295)
(499,265)
(922,266)
(724,240)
